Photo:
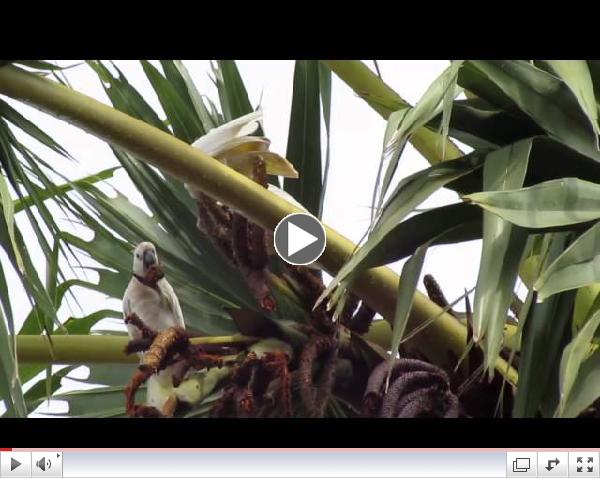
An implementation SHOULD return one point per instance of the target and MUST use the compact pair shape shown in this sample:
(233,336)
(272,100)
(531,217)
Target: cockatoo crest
(232,144)
(218,139)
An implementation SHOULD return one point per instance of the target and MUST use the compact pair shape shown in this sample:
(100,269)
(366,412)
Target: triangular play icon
(14,464)
(298,239)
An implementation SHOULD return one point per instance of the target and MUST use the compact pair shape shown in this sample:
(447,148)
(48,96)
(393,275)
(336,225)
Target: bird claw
(147,332)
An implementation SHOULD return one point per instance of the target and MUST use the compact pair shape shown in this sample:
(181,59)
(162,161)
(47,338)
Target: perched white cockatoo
(157,306)
(154,301)
(232,144)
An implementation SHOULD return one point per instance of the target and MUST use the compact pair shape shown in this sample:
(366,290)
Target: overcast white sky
(356,144)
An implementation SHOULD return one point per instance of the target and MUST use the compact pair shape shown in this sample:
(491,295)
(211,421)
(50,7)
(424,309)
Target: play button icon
(15,464)
(299,239)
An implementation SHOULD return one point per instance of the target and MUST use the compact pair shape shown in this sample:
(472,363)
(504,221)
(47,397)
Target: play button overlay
(300,239)
(14,464)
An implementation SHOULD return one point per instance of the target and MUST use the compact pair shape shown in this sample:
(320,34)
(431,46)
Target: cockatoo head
(145,259)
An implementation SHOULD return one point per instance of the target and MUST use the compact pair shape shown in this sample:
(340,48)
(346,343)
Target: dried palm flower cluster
(245,244)
(416,389)
(171,347)
(260,385)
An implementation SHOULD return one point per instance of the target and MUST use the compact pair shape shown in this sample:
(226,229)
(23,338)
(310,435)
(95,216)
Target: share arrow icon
(552,464)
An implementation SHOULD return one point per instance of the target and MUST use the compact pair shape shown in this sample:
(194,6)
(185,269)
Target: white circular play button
(299,239)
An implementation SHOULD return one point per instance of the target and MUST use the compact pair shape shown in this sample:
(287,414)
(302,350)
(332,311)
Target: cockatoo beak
(149,259)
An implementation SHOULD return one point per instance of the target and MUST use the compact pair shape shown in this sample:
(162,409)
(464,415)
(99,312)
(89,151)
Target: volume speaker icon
(43,464)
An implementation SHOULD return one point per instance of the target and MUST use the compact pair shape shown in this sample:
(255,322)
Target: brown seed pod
(434,291)
(139,377)
(417,389)
(314,398)
(239,238)
(258,258)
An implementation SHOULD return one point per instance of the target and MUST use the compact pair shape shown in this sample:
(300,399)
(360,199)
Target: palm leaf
(304,140)
(545,98)
(502,248)
(182,118)
(411,271)
(10,386)
(325,90)
(574,355)
(409,193)
(574,268)
(232,92)
(559,202)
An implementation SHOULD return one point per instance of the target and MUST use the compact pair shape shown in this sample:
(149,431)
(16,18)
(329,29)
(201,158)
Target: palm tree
(527,190)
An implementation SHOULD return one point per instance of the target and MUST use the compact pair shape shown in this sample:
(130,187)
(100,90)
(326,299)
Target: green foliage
(530,191)
(304,141)
(208,287)
(533,124)
(503,246)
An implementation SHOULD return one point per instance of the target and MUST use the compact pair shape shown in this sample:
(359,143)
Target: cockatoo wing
(171,302)
(134,332)
(158,309)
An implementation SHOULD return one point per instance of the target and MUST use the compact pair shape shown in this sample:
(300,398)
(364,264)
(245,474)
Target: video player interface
(297,463)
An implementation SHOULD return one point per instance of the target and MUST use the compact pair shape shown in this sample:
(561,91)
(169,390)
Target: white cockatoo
(157,306)
(154,301)
(232,144)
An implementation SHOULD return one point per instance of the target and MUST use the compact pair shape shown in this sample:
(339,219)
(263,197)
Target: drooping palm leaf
(409,193)
(502,249)
(573,357)
(559,202)
(547,99)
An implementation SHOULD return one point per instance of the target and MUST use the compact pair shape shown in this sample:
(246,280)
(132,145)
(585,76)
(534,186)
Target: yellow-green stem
(442,342)
(76,349)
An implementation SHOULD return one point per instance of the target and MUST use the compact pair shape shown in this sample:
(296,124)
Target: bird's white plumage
(218,139)
(158,309)
(232,145)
